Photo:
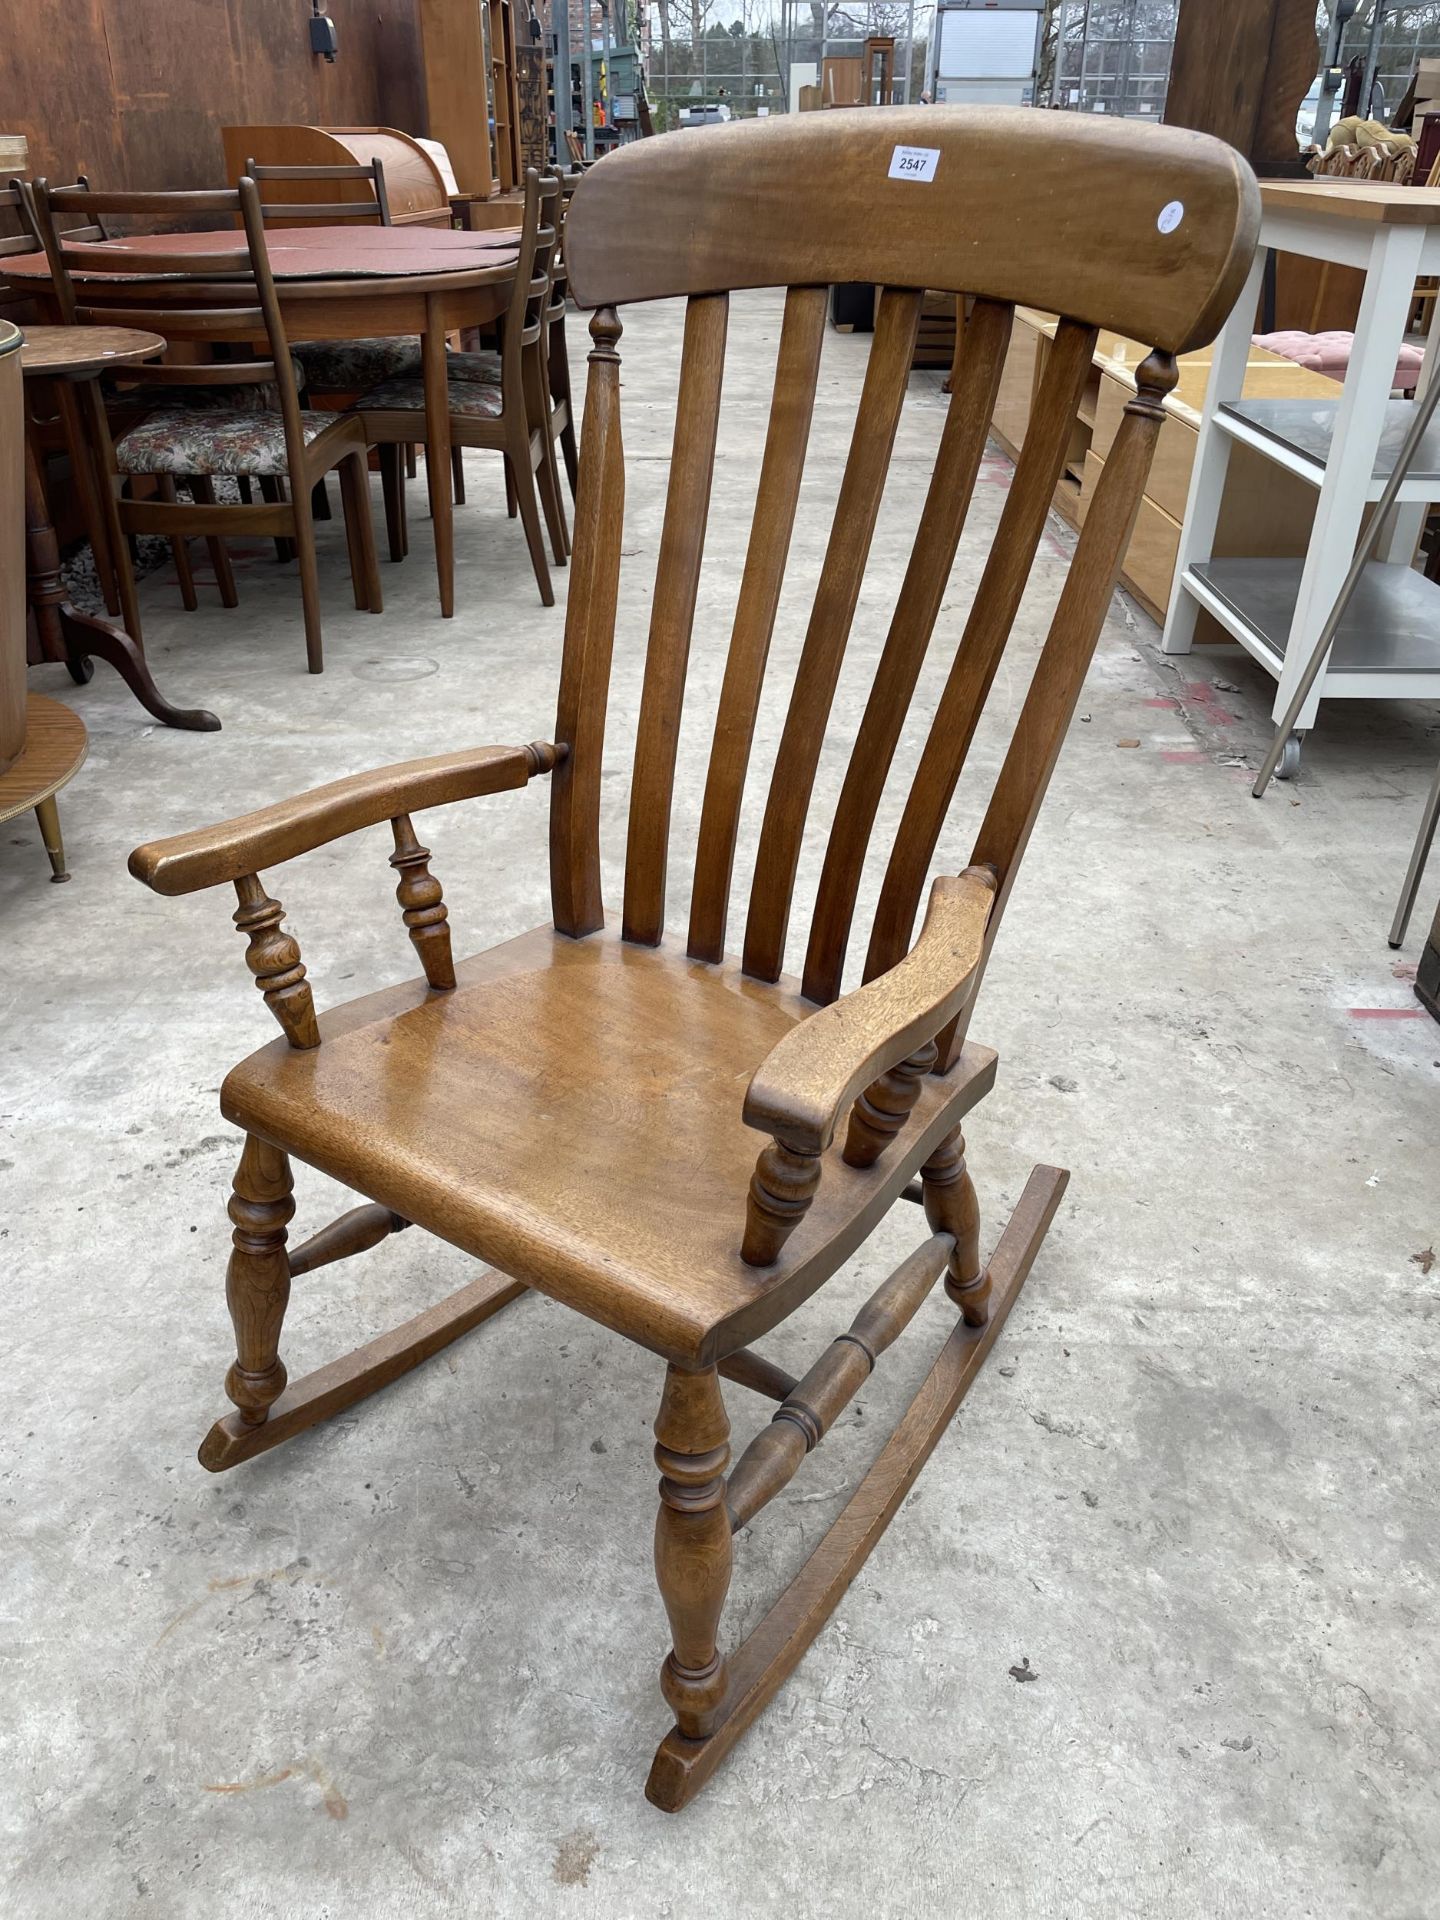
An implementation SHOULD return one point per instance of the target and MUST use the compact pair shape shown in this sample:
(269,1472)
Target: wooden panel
(453,51)
(135,95)
(1240,70)
(648,225)
(413,185)
(1017,387)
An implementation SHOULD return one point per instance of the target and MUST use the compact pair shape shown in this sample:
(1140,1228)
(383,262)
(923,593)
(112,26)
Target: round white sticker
(1170,216)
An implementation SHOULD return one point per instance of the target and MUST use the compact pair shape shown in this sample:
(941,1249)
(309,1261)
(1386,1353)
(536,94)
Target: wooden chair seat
(491,1136)
(206,439)
(350,366)
(475,366)
(468,399)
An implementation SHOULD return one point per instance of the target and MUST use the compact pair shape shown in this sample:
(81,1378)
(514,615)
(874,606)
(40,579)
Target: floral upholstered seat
(184,440)
(472,398)
(350,366)
(474,366)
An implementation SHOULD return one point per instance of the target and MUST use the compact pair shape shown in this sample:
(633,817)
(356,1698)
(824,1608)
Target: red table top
(296,253)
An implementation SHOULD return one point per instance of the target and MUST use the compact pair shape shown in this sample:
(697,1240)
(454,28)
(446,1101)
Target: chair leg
(524,477)
(272,492)
(952,1206)
(47,818)
(548,480)
(571,451)
(392,486)
(165,487)
(692,1544)
(247,497)
(257,1281)
(360,532)
(411,469)
(457,474)
(309,579)
(511,508)
(203,488)
(320,501)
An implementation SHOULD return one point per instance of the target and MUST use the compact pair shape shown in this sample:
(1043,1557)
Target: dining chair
(508,415)
(580,1106)
(66,432)
(339,366)
(252,423)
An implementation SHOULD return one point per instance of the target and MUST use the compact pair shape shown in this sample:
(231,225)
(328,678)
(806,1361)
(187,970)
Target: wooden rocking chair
(470,1102)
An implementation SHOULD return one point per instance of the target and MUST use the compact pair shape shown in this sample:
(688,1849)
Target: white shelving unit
(1389,644)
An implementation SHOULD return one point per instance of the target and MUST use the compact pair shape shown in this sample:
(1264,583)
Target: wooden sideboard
(1266,511)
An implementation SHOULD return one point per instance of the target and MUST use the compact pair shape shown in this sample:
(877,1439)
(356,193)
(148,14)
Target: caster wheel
(80,667)
(1290,757)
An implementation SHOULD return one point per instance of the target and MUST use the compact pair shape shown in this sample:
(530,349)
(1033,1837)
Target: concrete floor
(407,1664)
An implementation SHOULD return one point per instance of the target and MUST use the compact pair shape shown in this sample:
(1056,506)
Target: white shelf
(1296,435)
(1388,645)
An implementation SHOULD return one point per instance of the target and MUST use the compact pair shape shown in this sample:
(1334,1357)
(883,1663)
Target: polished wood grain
(1080,176)
(579,1108)
(797,369)
(79,350)
(831,616)
(677,581)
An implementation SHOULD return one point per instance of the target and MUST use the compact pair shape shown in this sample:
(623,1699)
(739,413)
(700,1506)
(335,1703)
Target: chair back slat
(677,581)
(575,895)
(302,209)
(962,445)
(797,370)
(982,643)
(832,613)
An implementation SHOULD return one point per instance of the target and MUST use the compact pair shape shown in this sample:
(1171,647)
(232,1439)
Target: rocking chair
(466,1102)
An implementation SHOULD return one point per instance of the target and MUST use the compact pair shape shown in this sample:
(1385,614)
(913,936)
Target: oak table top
(53,352)
(296,253)
(1380,202)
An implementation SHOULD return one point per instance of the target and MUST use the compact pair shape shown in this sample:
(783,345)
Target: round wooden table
(74,358)
(333,283)
(55,749)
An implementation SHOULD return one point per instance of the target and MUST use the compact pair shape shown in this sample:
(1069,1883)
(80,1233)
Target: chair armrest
(241,847)
(809,1078)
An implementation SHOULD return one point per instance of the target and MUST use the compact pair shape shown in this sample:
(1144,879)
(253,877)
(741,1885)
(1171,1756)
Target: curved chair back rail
(1147,230)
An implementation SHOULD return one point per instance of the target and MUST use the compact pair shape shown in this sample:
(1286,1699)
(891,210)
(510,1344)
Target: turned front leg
(257,1281)
(952,1206)
(692,1543)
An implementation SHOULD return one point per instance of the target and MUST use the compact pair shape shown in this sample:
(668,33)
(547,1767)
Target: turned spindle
(885,1106)
(952,1206)
(257,1280)
(274,959)
(422,905)
(692,1543)
(781,1189)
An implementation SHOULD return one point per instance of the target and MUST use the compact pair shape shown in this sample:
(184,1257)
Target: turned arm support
(212,855)
(877,1042)
(238,849)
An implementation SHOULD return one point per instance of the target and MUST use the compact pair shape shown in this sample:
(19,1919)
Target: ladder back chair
(68,429)
(338,366)
(508,415)
(251,422)
(470,1103)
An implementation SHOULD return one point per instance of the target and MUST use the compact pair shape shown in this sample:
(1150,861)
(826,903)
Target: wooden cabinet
(1266,511)
(471,95)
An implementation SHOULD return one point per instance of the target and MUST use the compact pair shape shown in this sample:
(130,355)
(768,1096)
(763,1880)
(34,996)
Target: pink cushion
(1329,353)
